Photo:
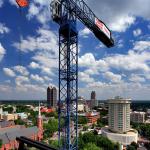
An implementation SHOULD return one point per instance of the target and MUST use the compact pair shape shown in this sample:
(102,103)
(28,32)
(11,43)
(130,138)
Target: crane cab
(55,10)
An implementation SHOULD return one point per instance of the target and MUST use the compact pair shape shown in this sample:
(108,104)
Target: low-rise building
(137,117)
(91,116)
(9,131)
(22,116)
(10,117)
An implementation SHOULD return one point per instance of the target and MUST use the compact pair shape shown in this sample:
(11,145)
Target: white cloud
(85,32)
(5,88)
(45,48)
(131,62)
(95,84)
(40,10)
(137,32)
(47,71)
(85,77)
(136,78)
(37,78)
(2,52)
(1,3)
(9,72)
(122,23)
(45,40)
(142,45)
(119,15)
(3,29)
(30,91)
(120,43)
(20,80)
(88,61)
(46,78)
(21,69)
(114,78)
(34,65)
(13,2)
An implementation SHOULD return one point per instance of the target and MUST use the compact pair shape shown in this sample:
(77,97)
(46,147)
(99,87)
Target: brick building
(9,131)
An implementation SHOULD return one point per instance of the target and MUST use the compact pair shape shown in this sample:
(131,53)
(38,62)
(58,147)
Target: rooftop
(11,133)
(119,100)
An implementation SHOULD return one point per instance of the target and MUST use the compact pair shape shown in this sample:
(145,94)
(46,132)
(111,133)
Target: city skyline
(28,68)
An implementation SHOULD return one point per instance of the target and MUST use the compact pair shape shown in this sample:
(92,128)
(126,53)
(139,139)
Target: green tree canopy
(82,120)
(99,141)
(91,146)
(9,109)
(130,147)
(1,143)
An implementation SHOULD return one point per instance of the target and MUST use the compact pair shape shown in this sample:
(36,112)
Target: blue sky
(29,51)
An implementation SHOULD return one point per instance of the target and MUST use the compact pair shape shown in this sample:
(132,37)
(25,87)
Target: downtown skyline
(29,51)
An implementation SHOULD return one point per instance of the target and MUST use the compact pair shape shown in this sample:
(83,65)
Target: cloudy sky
(29,51)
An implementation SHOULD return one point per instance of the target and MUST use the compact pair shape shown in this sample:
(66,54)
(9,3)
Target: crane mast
(65,13)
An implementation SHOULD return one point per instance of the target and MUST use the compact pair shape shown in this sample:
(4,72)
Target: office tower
(93,99)
(51,97)
(119,114)
(93,95)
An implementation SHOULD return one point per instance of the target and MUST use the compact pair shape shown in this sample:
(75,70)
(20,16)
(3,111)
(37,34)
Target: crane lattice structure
(65,13)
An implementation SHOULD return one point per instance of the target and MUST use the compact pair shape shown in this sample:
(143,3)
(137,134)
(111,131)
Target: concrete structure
(119,122)
(119,114)
(51,97)
(125,139)
(9,131)
(137,117)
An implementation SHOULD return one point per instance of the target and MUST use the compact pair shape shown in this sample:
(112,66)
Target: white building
(137,117)
(119,114)
(124,139)
(119,122)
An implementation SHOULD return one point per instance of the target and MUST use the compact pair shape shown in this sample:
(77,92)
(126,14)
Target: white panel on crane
(103,27)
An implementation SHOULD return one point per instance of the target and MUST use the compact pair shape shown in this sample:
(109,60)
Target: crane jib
(103,28)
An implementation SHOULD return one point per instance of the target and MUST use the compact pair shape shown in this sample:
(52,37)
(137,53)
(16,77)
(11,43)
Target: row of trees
(143,129)
(96,142)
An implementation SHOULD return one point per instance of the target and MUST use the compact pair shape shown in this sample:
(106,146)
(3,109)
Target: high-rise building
(137,117)
(51,97)
(93,99)
(119,114)
(119,122)
(93,95)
